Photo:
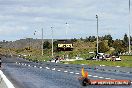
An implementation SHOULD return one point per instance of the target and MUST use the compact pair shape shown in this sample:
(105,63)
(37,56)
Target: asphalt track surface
(28,74)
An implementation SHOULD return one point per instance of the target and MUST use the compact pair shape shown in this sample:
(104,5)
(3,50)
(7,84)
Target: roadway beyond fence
(4,82)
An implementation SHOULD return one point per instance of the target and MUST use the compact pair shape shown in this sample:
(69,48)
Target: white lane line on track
(103,65)
(107,78)
(118,66)
(128,72)
(71,72)
(40,67)
(95,76)
(77,73)
(65,71)
(82,64)
(47,67)
(101,77)
(53,69)
(58,70)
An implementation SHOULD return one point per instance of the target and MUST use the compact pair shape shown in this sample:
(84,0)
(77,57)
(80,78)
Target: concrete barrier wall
(4,82)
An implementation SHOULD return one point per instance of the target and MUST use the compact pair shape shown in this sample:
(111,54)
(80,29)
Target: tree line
(106,43)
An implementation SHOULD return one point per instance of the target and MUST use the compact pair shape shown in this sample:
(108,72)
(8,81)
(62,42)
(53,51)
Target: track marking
(29,65)
(47,67)
(40,67)
(58,70)
(103,65)
(65,71)
(53,69)
(77,73)
(101,77)
(35,66)
(95,76)
(71,72)
(118,66)
(89,75)
(128,72)
(107,78)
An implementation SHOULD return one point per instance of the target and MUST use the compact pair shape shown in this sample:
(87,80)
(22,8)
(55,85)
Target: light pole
(42,42)
(129,28)
(52,42)
(97,34)
(66,29)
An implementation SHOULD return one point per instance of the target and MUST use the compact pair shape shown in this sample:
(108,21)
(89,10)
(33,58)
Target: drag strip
(27,74)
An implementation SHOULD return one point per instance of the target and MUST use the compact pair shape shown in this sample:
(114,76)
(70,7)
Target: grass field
(126,62)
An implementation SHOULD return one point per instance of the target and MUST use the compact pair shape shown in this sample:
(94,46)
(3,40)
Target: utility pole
(52,42)
(97,34)
(42,42)
(129,28)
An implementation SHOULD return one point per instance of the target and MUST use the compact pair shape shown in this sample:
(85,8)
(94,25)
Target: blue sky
(20,18)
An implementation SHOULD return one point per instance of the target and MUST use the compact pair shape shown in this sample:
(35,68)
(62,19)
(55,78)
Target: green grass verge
(126,62)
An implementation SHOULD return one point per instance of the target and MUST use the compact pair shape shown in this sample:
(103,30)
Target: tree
(46,45)
(125,40)
(109,38)
(81,39)
(74,40)
(119,46)
(103,47)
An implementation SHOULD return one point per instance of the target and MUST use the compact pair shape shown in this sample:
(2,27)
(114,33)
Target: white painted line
(103,65)
(95,76)
(58,70)
(128,72)
(6,81)
(40,67)
(53,69)
(107,78)
(71,72)
(89,75)
(65,71)
(82,64)
(35,66)
(117,66)
(29,65)
(47,67)
(77,73)
(101,77)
